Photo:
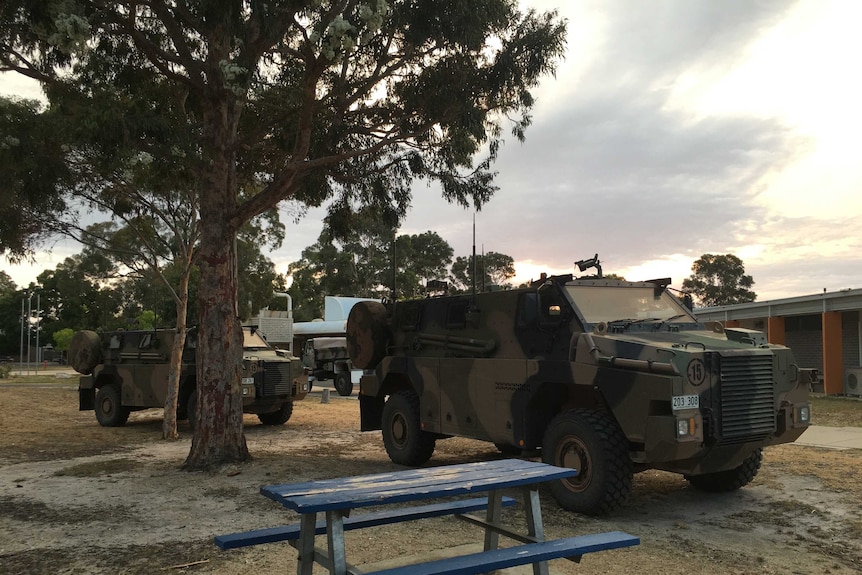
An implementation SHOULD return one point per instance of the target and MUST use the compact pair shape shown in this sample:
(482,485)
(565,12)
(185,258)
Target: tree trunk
(169,423)
(218,437)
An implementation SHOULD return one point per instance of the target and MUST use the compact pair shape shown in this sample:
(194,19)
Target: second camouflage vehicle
(124,371)
(606,376)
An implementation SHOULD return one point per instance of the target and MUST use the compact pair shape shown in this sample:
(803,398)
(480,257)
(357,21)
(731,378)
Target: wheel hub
(573,453)
(399,429)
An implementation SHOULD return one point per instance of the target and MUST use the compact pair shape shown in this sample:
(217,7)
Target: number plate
(685,402)
(248,381)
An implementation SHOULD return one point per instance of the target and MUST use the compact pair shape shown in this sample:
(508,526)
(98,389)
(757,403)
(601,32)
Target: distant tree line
(368,259)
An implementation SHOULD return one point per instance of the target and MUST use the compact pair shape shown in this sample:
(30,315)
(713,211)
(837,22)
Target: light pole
(21,354)
(38,329)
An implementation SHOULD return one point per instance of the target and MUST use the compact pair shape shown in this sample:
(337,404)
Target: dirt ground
(76,498)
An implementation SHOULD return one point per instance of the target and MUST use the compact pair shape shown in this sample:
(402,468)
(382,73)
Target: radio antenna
(474,258)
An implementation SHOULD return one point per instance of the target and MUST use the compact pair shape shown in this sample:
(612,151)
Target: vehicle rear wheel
(729,480)
(405,442)
(594,444)
(109,411)
(343,384)
(278,417)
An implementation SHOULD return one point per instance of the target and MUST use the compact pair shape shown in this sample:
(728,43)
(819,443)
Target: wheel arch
(107,376)
(371,406)
(549,399)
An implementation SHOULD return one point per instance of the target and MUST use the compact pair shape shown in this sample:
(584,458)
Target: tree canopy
(359,264)
(492,269)
(719,280)
(346,101)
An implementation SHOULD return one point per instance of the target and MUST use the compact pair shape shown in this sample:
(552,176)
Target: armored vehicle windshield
(253,341)
(625,302)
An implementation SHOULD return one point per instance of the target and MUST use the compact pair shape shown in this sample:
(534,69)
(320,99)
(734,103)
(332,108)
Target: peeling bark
(218,437)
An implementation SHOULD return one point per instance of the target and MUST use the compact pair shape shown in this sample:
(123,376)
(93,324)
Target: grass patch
(836,411)
(98,468)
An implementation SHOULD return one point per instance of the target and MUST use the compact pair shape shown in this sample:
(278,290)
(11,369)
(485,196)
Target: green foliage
(72,297)
(492,269)
(359,264)
(7,286)
(356,263)
(241,105)
(32,165)
(146,320)
(719,280)
(421,257)
(63,338)
(350,101)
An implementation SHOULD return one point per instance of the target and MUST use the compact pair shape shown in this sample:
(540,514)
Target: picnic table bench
(336,498)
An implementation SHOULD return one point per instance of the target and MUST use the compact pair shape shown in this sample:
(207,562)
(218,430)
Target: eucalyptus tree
(341,100)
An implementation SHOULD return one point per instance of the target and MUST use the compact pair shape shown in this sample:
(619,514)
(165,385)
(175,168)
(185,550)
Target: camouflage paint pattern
(499,366)
(137,362)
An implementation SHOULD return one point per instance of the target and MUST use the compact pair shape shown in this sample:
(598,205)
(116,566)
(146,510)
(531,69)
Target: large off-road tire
(109,411)
(367,334)
(403,437)
(343,384)
(192,408)
(85,351)
(278,417)
(592,443)
(730,480)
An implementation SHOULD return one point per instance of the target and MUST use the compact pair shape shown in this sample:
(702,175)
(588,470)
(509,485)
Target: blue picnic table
(336,498)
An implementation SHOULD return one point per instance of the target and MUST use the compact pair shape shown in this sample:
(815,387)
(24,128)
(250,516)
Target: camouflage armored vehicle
(608,377)
(126,371)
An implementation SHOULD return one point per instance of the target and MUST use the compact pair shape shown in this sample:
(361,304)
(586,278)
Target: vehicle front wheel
(278,417)
(730,480)
(109,411)
(343,384)
(594,444)
(405,442)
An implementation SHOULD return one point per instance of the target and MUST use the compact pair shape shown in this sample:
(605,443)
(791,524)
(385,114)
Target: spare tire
(85,351)
(367,334)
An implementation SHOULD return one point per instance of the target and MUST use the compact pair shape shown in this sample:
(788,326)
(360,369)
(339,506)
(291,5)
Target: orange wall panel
(833,362)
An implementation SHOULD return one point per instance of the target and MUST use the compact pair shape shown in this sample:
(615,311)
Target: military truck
(326,358)
(126,371)
(609,377)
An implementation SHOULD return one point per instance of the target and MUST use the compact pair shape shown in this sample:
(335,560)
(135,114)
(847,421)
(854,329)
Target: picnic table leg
(535,527)
(493,515)
(335,542)
(305,546)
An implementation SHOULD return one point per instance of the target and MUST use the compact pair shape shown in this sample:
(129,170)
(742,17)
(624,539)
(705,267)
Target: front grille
(747,398)
(276,378)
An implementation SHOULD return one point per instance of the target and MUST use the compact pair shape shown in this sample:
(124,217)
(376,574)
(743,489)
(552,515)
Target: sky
(671,129)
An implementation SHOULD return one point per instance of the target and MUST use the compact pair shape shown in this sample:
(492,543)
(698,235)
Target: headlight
(804,414)
(686,427)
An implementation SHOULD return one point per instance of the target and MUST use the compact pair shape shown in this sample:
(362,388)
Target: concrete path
(832,437)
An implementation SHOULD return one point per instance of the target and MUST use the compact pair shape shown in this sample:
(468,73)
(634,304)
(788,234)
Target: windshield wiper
(646,319)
